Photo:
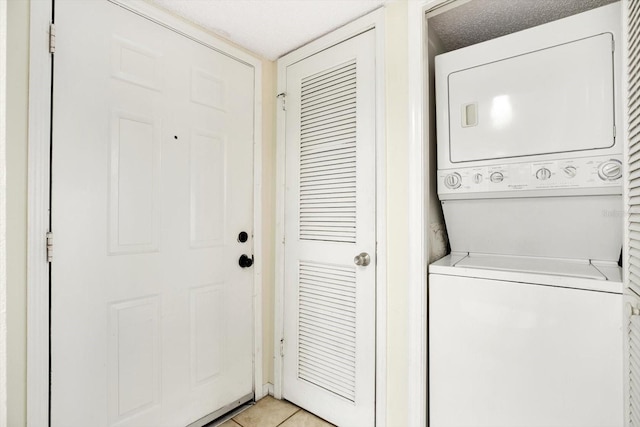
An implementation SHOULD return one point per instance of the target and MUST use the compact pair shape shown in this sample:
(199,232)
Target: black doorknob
(245,261)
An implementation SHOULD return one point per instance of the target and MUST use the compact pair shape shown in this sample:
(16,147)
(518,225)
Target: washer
(538,346)
(524,348)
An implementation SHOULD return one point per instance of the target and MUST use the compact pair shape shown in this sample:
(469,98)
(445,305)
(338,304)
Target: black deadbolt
(243,236)
(245,261)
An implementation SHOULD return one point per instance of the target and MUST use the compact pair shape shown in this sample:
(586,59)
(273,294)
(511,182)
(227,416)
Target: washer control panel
(586,172)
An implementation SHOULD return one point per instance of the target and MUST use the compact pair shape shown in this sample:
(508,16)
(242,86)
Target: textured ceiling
(480,20)
(270,28)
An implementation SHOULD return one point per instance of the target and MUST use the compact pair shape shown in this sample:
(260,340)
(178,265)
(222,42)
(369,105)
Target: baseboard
(267,389)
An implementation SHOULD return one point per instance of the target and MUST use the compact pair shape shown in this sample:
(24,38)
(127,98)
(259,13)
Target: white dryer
(525,324)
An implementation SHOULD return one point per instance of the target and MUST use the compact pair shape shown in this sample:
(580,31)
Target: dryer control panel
(586,172)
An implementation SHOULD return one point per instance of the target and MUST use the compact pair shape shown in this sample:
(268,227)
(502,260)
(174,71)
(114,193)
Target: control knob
(477,178)
(570,171)
(610,170)
(496,177)
(453,180)
(543,174)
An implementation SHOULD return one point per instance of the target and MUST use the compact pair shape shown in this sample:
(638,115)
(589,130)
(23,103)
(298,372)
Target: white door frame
(38,193)
(629,298)
(419,177)
(3,213)
(374,20)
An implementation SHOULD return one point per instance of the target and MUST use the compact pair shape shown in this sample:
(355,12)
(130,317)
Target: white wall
(17,100)
(3,213)
(437,234)
(269,81)
(398,228)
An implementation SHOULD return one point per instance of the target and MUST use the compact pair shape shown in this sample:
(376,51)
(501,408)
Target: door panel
(329,337)
(152,318)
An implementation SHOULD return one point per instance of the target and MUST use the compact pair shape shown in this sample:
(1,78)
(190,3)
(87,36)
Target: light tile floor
(270,412)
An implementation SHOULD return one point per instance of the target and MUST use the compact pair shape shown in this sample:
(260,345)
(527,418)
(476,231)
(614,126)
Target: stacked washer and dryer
(525,323)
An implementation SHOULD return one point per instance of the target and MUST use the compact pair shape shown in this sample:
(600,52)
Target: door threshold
(225,413)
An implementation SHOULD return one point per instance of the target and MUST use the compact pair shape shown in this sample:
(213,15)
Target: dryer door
(554,100)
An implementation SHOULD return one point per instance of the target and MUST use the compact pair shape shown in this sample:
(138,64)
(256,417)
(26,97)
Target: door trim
(38,214)
(376,21)
(629,296)
(39,193)
(3,214)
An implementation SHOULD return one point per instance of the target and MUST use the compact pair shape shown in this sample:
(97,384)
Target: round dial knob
(610,170)
(477,178)
(496,177)
(543,174)
(570,171)
(453,180)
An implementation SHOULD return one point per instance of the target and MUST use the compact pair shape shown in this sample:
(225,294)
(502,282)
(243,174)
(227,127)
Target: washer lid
(538,273)
(550,266)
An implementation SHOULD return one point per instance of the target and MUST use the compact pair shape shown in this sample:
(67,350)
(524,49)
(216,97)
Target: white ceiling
(270,28)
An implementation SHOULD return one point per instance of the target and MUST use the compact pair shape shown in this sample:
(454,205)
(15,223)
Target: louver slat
(325,79)
(636,156)
(633,285)
(328,156)
(634,170)
(633,205)
(334,353)
(326,327)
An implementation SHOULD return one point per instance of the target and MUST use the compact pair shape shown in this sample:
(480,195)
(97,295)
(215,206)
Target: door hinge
(282,347)
(283,95)
(52,38)
(49,246)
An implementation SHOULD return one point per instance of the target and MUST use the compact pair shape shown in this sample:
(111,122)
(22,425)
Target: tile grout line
(286,419)
(233,419)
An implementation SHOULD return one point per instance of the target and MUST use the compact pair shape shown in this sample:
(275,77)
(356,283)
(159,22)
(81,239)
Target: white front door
(329,317)
(152,172)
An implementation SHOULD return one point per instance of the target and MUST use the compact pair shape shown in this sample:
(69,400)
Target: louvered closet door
(632,297)
(329,347)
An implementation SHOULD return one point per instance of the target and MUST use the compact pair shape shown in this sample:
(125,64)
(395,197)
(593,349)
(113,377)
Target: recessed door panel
(134,171)
(208,318)
(134,357)
(207,188)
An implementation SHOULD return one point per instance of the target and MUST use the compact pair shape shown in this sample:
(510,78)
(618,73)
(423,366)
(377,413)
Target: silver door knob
(362,260)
